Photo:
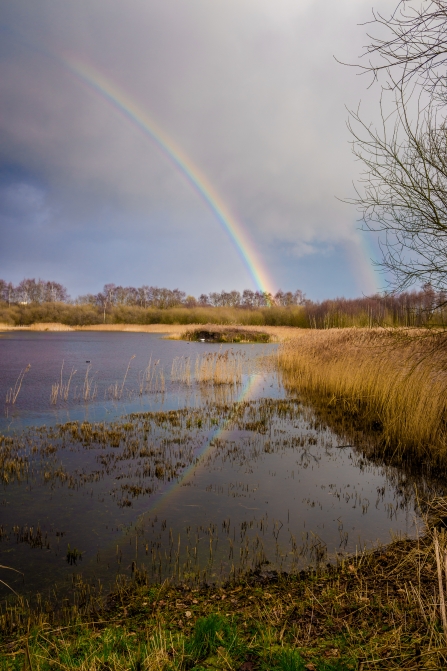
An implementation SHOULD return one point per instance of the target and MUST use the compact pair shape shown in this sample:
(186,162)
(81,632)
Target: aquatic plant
(13,392)
(216,368)
(59,390)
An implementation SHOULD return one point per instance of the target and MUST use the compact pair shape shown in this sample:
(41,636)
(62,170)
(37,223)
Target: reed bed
(219,368)
(176,330)
(216,368)
(181,370)
(238,332)
(38,326)
(152,378)
(228,334)
(393,382)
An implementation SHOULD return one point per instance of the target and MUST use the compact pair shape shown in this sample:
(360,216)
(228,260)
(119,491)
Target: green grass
(370,612)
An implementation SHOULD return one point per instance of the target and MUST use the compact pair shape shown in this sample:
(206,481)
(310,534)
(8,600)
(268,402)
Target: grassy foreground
(379,610)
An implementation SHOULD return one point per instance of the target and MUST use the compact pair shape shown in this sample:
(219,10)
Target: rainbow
(141,120)
(362,254)
(249,386)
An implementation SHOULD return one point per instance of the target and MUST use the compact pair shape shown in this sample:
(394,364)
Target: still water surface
(184,478)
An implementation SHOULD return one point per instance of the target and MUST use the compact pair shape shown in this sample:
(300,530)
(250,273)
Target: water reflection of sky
(291,486)
(108,355)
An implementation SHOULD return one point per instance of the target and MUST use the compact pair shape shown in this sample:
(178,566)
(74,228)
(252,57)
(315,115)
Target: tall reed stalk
(59,389)
(13,392)
(87,391)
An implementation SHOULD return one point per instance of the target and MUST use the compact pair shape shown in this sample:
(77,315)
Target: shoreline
(373,610)
(172,331)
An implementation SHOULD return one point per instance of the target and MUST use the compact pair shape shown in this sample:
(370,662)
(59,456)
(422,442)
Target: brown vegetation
(175,331)
(210,368)
(90,315)
(228,334)
(392,382)
(378,610)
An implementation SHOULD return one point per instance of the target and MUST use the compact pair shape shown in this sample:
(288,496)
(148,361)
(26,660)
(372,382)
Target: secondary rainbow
(140,118)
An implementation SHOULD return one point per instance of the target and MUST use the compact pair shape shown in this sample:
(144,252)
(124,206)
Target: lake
(124,450)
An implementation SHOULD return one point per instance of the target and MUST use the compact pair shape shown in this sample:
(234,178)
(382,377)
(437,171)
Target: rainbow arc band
(141,119)
(130,110)
(249,387)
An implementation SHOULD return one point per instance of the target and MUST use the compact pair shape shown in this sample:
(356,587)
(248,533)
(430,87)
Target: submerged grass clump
(119,470)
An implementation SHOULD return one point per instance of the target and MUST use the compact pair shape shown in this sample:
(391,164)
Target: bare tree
(411,45)
(105,298)
(402,191)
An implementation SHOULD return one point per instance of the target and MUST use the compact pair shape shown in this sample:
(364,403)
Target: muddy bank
(376,610)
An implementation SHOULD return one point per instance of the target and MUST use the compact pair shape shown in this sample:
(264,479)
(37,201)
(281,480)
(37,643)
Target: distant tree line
(408,308)
(162,298)
(252,299)
(33,291)
(39,291)
(39,300)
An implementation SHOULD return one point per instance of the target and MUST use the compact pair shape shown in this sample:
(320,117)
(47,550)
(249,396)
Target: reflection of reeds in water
(13,392)
(216,368)
(218,394)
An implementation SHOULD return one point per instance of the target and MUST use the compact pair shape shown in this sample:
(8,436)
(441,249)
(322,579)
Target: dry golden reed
(219,368)
(395,380)
(214,368)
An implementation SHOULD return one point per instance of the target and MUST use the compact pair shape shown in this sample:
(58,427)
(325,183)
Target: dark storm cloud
(248,89)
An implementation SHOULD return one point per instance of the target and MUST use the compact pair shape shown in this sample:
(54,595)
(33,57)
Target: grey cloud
(248,89)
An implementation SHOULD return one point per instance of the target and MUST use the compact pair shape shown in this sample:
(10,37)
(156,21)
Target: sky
(183,143)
